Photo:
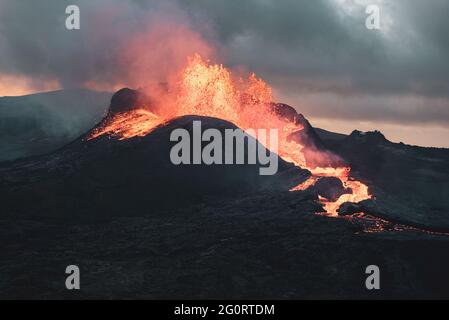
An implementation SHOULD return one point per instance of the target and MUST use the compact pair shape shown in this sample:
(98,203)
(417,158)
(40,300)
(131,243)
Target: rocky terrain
(266,245)
(41,123)
(411,184)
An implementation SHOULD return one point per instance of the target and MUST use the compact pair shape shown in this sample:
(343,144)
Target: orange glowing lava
(212,90)
(359,189)
(129,124)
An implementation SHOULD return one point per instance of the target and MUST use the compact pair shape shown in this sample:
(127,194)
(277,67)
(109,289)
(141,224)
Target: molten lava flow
(130,124)
(359,190)
(211,90)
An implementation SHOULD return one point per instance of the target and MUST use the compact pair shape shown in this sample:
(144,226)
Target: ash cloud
(120,42)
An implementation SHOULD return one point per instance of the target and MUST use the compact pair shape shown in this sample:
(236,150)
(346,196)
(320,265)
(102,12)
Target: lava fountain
(205,89)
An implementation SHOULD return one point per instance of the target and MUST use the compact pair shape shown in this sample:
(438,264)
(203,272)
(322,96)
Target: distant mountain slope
(40,123)
(329,135)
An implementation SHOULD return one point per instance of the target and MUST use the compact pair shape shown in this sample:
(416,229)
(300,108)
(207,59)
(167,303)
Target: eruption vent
(204,89)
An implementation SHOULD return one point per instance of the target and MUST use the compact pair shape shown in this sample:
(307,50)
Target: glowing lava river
(212,90)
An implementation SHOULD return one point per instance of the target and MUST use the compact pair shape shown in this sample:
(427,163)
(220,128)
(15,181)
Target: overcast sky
(318,55)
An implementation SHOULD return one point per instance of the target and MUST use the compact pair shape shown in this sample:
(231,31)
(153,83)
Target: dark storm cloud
(327,48)
(302,47)
(35,41)
(377,108)
(322,49)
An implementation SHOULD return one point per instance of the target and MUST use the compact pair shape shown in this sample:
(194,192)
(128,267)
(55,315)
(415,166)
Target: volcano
(214,93)
(122,165)
(110,174)
(112,200)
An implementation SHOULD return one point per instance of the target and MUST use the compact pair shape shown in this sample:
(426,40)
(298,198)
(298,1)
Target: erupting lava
(129,124)
(211,90)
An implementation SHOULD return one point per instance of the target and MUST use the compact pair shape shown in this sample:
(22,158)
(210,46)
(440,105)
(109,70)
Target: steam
(120,43)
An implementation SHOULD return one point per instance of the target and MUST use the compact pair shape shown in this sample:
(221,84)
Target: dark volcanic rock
(128,99)
(349,208)
(371,137)
(315,152)
(285,111)
(330,188)
(262,246)
(394,209)
(307,136)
